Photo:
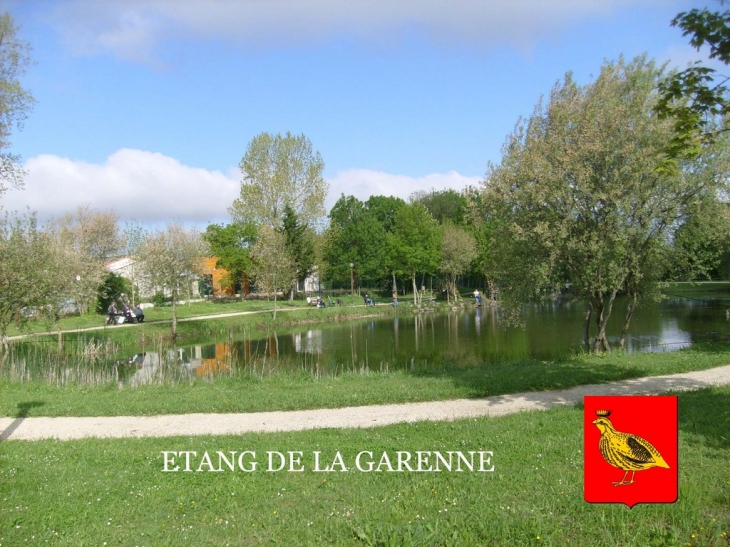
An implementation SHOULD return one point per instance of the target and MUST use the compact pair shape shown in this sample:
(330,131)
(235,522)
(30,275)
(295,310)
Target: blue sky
(147,106)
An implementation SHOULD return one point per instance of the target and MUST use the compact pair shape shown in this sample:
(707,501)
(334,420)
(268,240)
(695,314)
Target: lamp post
(352,279)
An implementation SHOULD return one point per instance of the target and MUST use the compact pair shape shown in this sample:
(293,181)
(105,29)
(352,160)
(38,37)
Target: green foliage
(299,241)
(171,259)
(15,102)
(415,243)
(458,251)
(578,198)
(696,99)
(444,205)
(231,244)
(279,171)
(32,274)
(355,237)
(111,290)
(273,268)
(159,299)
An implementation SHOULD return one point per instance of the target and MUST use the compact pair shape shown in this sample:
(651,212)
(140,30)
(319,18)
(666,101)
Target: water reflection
(471,337)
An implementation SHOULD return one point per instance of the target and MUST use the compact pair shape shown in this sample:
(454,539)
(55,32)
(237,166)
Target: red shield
(630,451)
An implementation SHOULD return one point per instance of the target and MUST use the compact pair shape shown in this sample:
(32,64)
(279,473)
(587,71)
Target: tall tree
(279,171)
(578,198)
(416,243)
(384,208)
(231,244)
(15,101)
(171,259)
(133,237)
(299,241)
(273,268)
(89,238)
(458,251)
(354,237)
(32,274)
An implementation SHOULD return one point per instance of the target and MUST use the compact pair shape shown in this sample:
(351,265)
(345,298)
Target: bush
(113,287)
(160,299)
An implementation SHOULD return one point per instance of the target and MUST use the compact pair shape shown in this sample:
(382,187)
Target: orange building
(217,279)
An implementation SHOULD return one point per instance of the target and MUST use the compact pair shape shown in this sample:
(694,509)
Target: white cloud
(129,28)
(144,186)
(153,188)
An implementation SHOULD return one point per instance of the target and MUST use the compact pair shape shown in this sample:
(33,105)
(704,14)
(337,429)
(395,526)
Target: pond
(466,338)
(470,337)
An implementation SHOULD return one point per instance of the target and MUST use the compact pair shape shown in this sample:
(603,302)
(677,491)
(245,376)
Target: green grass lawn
(247,392)
(113,492)
(186,311)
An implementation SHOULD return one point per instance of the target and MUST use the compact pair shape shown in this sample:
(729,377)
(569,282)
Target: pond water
(469,337)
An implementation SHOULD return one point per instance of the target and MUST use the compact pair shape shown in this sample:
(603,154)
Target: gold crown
(603,413)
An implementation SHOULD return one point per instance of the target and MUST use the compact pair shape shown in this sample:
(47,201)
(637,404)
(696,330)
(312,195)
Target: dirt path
(350,417)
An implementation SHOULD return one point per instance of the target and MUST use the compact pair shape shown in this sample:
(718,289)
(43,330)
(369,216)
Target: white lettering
(171,461)
(282,461)
(487,461)
(369,463)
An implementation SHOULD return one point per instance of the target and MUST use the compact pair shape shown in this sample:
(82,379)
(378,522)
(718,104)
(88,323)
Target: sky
(146,107)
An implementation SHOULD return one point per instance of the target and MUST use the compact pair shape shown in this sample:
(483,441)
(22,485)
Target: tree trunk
(174,317)
(275,298)
(604,312)
(395,286)
(633,297)
(415,290)
(587,327)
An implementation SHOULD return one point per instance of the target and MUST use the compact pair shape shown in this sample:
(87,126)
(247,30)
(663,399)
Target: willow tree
(579,199)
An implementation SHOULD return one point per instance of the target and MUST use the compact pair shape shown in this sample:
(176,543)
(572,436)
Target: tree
(444,205)
(133,237)
(112,289)
(354,237)
(384,208)
(32,278)
(578,198)
(458,251)
(279,171)
(299,241)
(696,99)
(88,238)
(15,102)
(231,244)
(273,269)
(416,243)
(171,259)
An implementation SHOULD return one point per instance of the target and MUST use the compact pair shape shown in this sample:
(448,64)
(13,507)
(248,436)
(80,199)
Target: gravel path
(350,417)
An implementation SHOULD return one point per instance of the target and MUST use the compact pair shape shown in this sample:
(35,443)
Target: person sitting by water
(138,313)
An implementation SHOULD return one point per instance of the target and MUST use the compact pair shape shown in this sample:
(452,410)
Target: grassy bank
(188,311)
(113,492)
(249,392)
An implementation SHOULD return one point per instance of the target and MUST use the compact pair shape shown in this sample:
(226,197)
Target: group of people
(128,314)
